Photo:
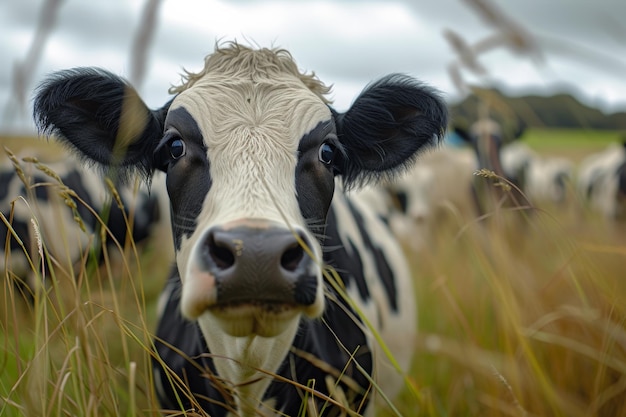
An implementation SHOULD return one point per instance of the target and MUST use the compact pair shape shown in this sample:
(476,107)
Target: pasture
(520,314)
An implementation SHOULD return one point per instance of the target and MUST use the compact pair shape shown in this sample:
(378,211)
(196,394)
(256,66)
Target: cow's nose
(260,263)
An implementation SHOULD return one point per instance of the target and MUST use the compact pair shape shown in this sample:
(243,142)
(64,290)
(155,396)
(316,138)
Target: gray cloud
(347,43)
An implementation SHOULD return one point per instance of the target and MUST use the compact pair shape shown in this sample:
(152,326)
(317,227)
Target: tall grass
(520,314)
(79,345)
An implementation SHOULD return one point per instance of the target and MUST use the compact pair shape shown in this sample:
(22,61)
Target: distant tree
(557,111)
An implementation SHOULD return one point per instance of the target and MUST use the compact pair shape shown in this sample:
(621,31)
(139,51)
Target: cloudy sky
(573,45)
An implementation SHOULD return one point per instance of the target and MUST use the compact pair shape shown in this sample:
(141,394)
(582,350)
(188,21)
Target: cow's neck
(239,360)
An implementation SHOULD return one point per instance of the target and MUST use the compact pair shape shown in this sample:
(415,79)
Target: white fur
(541,174)
(599,170)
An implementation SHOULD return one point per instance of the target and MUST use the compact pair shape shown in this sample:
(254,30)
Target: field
(571,143)
(520,314)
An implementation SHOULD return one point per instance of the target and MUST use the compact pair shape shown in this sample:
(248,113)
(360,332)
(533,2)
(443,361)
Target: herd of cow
(264,186)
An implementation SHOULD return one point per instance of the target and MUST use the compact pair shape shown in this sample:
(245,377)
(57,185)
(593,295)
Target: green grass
(520,315)
(571,143)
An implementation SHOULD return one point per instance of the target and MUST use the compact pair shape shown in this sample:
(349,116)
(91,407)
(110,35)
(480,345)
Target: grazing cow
(64,201)
(602,181)
(412,194)
(415,203)
(486,138)
(404,204)
(541,178)
(251,322)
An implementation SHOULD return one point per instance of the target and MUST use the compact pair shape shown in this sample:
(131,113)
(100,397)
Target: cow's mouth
(246,318)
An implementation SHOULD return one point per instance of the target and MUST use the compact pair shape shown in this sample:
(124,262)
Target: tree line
(556,111)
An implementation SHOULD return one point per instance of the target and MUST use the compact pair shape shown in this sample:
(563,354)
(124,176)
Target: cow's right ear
(102,117)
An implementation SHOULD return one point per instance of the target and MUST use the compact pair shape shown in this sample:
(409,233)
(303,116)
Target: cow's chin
(254,319)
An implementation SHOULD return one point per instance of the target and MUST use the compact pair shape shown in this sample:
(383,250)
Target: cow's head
(487,136)
(251,149)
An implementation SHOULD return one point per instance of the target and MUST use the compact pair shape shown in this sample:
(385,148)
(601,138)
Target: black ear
(386,127)
(101,117)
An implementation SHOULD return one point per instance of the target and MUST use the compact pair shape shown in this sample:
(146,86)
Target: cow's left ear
(386,127)
(101,117)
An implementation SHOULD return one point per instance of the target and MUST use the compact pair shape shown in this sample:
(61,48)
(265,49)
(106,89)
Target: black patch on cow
(350,266)
(621,180)
(385,274)
(150,213)
(73,180)
(188,179)
(20,228)
(347,264)
(40,188)
(402,200)
(314,180)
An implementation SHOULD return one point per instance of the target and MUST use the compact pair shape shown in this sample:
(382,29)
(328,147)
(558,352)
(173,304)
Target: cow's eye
(177,147)
(326,153)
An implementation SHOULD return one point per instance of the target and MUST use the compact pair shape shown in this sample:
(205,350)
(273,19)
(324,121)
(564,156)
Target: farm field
(574,144)
(520,314)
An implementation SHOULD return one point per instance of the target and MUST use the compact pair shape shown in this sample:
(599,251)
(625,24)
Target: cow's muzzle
(260,262)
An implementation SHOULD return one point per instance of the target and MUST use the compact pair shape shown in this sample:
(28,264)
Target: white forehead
(252,130)
(252,108)
(279,111)
(241,89)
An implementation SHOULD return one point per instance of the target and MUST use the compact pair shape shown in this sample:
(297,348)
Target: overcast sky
(580,44)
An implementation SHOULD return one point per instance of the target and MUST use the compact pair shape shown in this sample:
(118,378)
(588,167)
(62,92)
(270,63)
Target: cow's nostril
(220,254)
(291,257)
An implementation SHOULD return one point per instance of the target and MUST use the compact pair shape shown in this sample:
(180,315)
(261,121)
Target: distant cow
(64,205)
(404,204)
(251,321)
(487,137)
(602,181)
(436,189)
(541,178)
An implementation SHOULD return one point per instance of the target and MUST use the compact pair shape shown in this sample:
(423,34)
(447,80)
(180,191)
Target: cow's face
(250,149)
(249,167)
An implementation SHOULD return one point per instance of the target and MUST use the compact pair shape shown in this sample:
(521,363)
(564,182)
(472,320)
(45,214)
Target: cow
(543,179)
(601,181)
(486,137)
(60,206)
(435,190)
(280,282)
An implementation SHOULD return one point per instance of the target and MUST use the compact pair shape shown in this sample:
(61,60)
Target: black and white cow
(250,322)
(602,181)
(543,179)
(487,137)
(64,205)
(417,202)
